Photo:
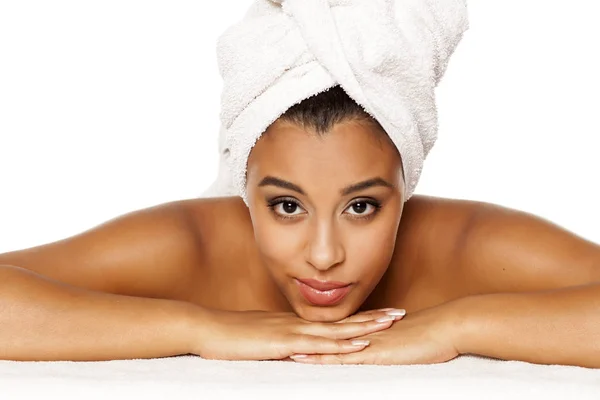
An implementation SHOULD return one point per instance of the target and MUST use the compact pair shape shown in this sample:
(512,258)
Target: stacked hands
(384,336)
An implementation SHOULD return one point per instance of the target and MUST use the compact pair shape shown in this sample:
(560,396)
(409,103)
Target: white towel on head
(388,55)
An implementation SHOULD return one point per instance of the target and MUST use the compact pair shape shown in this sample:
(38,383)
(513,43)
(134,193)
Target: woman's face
(325,211)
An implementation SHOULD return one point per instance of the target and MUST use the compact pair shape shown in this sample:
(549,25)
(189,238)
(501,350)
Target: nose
(325,250)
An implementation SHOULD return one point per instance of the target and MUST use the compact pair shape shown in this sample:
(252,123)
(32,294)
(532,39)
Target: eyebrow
(357,187)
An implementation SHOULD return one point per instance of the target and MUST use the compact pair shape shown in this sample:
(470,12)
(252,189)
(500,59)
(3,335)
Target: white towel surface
(188,377)
(388,55)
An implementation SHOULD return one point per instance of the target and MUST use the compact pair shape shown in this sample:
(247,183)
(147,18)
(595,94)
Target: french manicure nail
(294,356)
(397,313)
(360,342)
(385,319)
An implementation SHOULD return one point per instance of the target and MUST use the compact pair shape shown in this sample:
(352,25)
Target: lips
(320,293)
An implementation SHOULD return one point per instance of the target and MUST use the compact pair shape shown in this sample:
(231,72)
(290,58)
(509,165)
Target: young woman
(321,268)
(327,262)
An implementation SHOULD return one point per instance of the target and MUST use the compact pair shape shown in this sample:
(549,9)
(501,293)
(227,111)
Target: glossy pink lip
(322,293)
(323,285)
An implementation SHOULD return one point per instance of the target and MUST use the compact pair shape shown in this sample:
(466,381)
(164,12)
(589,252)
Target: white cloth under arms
(388,55)
(192,378)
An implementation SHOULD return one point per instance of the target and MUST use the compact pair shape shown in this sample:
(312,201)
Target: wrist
(191,324)
(464,323)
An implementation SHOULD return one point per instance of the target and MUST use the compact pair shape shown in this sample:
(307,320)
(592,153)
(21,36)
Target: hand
(259,335)
(425,337)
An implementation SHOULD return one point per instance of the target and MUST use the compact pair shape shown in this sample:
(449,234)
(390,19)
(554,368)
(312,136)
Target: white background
(111,106)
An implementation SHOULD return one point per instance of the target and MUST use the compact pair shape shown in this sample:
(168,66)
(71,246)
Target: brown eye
(289,207)
(364,208)
(285,208)
(359,208)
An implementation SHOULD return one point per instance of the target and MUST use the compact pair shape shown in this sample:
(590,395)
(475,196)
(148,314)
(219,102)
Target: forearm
(557,327)
(42,319)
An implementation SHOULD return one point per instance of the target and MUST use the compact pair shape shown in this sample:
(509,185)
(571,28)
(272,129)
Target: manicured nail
(385,319)
(295,356)
(360,343)
(386,309)
(396,313)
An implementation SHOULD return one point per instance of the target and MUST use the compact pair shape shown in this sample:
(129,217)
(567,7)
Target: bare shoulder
(477,247)
(422,272)
(159,251)
(433,228)
(224,230)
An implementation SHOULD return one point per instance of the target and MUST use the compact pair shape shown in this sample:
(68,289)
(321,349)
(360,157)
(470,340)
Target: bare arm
(554,327)
(535,291)
(43,319)
(116,291)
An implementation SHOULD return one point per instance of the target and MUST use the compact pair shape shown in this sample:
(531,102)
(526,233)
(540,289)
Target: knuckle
(305,342)
(341,344)
(329,345)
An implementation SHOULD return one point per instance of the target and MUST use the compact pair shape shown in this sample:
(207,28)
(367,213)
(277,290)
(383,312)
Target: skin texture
(473,277)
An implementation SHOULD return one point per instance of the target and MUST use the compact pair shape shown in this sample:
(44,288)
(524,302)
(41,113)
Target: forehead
(350,151)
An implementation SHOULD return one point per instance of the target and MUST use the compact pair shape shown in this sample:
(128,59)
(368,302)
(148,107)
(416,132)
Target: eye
(285,208)
(362,207)
(289,208)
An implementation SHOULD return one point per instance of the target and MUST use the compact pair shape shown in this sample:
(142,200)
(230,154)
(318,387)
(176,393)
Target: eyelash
(275,202)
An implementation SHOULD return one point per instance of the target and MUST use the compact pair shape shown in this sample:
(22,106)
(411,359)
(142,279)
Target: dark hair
(322,111)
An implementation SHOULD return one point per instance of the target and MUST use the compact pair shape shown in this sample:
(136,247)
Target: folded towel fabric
(388,55)
(187,377)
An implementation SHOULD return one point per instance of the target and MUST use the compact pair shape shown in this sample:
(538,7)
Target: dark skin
(453,264)
(192,272)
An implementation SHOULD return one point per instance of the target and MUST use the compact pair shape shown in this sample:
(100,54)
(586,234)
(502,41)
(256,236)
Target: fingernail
(294,356)
(385,319)
(386,309)
(397,313)
(360,342)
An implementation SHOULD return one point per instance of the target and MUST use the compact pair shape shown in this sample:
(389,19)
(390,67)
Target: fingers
(349,358)
(307,344)
(374,314)
(366,316)
(348,330)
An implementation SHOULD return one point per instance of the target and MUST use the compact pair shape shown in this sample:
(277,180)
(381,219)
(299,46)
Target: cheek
(276,243)
(372,251)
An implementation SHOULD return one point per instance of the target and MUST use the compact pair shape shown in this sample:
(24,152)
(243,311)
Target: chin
(322,314)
